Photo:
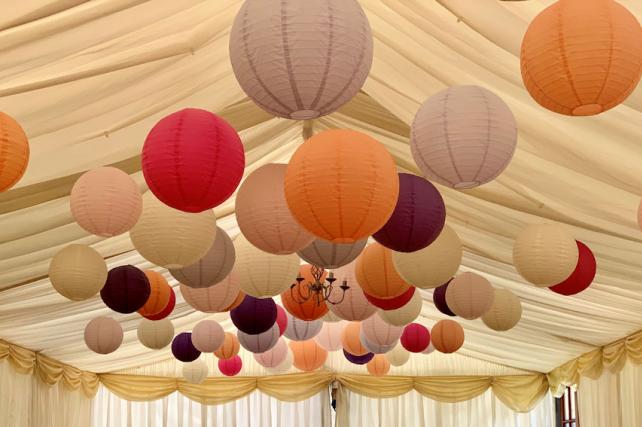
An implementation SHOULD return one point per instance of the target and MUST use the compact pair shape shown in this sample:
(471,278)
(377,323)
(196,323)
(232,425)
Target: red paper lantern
(392,303)
(415,338)
(193,160)
(230,367)
(582,276)
(281,319)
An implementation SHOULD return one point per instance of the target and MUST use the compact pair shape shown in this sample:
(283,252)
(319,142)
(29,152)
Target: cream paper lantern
(398,356)
(331,255)
(354,306)
(469,295)
(505,312)
(155,334)
(302,330)
(433,265)
(262,274)
(301,59)
(207,336)
(545,254)
(463,136)
(376,331)
(103,335)
(405,314)
(171,238)
(330,336)
(195,372)
(77,272)
(214,299)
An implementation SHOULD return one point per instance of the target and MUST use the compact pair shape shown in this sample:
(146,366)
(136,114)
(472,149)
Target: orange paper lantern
(159,295)
(379,365)
(14,152)
(376,273)
(351,339)
(308,355)
(237,301)
(298,307)
(230,347)
(447,336)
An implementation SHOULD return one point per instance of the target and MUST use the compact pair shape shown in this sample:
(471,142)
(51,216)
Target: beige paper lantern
(463,136)
(262,274)
(171,238)
(545,254)
(215,299)
(106,201)
(505,312)
(213,268)
(469,295)
(208,336)
(330,336)
(195,372)
(433,265)
(355,305)
(155,334)
(103,335)
(331,255)
(77,272)
(447,336)
(398,356)
(405,314)
(378,365)
(307,65)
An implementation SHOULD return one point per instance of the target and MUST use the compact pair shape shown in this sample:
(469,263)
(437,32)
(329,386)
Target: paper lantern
(581,58)
(183,349)
(415,338)
(271,56)
(294,301)
(230,347)
(405,314)
(207,336)
(254,315)
(193,160)
(213,268)
(155,334)
(170,238)
(105,201)
(505,312)
(239,299)
(330,336)
(214,299)
(258,343)
(230,367)
(262,274)
(439,299)
(583,275)
(355,304)
(377,348)
(302,330)
(126,290)
(195,372)
(168,308)
(433,265)
(308,355)
(447,336)
(338,193)
(77,272)
(274,356)
(330,317)
(463,137)
(358,360)
(378,366)
(545,254)
(376,273)
(281,319)
(103,335)
(159,294)
(392,303)
(418,218)
(331,255)
(398,356)
(351,339)
(14,152)
(470,295)
(283,366)
(378,332)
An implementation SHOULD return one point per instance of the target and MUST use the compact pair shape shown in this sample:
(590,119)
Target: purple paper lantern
(358,360)
(254,315)
(439,298)
(262,342)
(126,289)
(418,218)
(183,349)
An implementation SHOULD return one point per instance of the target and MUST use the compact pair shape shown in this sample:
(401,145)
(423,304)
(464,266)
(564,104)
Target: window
(566,408)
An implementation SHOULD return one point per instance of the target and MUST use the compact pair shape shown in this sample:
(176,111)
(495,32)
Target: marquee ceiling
(88,79)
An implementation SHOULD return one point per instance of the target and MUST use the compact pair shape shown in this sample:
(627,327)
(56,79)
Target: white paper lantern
(77,272)
(398,356)
(302,330)
(405,314)
(330,336)
(195,372)
(155,334)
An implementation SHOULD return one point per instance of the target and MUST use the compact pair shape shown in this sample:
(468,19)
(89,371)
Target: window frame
(566,403)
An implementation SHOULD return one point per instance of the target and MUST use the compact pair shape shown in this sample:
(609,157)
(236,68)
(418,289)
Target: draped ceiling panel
(88,79)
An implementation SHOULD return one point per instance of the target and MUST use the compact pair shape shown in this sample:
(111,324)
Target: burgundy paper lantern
(167,310)
(126,289)
(193,160)
(439,299)
(415,338)
(582,276)
(418,218)
(254,315)
(259,343)
(230,367)
(392,303)
(358,360)
(183,349)
(281,319)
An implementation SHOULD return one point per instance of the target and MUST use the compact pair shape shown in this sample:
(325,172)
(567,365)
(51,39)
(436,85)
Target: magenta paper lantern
(331,255)
(302,330)
(330,336)
(392,303)
(213,299)
(582,276)
(418,218)
(167,310)
(355,305)
(207,336)
(259,343)
(126,289)
(439,299)
(281,319)
(358,360)
(230,367)
(376,348)
(273,357)
(378,332)
(415,338)
(254,315)
(183,349)
(193,160)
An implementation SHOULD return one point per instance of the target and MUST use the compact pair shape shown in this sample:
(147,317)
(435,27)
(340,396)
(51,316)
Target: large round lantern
(393,303)
(447,336)
(273,357)
(77,272)
(254,315)
(195,372)
(415,338)
(358,360)
(167,310)
(170,238)
(379,365)
(581,58)
(418,218)
(155,334)
(126,290)
(349,200)
(355,304)
(330,336)
(230,367)
(294,299)
(439,299)
(208,336)
(405,314)
(545,254)
(434,265)
(351,339)
(583,275)
(262,274)
(505,312)
(263,214)
(193,160)
(463,136)
(259,343)
(213,268)
(230,347)
(302,330)
(103,335)
(214,299)
(308,355)
(398,356)
(271,57)
(159,295)
(376,331)
(106,201)
(376,273)
(470,295)
(183,349)
(14,152)
(331,255)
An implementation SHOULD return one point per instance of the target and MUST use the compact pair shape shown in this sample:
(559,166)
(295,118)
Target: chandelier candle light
(317,289)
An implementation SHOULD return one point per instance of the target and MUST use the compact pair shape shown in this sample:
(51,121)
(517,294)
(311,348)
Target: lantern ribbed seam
(328,60)
(308,198)
(286,55)
(373,188)
(487,140)
(447,136)
(215,158)
(608,67)
(562,50)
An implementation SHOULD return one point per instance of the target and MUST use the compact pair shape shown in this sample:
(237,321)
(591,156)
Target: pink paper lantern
(207,336)
(355,305)
(259,343)
(415,338)
(281,319)
(230,367)
(378,332)
(214,299)
(273,357)
(330,336)
(376,348)
(103,335)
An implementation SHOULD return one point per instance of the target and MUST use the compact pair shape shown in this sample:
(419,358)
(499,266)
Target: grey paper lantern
(302,330)
(259,343)
(331,255)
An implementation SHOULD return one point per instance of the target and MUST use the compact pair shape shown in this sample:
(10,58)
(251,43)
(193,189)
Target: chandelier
(317,290)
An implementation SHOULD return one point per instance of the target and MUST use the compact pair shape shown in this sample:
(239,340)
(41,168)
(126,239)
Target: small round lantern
(415,338)
(398,356)
(259,343)
(505,312)
(379,365)
(254,315)
(308,355)
(159,294)
(273,357)
(330,336)
(405,314)
(376,331)
(208,336)
(14,152)
(393,303)
(230,347)
(302,330)
(439,299)
(126,290)
(331,255)
(214,299)
(447,336)
(583,275)
(470,295)
(294,301)
(103,335)
(351,339)
(183,349)
(77,272)
(195,372)
(168,308)
(155,334)
(358,360)
(230,367)
(355,304)
(376,273)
